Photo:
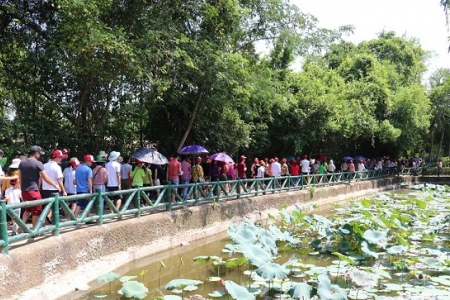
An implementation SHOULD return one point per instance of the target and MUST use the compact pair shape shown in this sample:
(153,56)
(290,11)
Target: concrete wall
(53,266)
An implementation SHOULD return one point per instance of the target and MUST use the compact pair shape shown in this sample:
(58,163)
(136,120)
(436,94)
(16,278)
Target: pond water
(391,246)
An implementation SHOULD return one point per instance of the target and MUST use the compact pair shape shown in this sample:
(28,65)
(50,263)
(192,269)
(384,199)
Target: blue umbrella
(347,158)
(150,156)
(222,157)
(193,150)
(360,157)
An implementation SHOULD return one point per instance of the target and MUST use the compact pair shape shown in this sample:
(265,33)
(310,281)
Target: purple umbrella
(193,150)
(222,157)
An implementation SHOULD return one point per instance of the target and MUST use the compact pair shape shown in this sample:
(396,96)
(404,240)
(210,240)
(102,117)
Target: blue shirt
(82,174)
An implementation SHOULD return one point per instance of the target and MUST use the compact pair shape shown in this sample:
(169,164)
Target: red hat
(89,157)
(65,151)
(137,161)
(57,153)
(243,157)
(198,159)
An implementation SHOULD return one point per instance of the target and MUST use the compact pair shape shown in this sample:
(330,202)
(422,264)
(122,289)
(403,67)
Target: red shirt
(295,170)
(241,170)
(173,169)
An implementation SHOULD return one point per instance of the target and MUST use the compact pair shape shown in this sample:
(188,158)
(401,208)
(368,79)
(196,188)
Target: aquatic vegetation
(384,245)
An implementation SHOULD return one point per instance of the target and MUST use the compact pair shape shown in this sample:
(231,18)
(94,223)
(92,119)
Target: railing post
(217,190)
(169,197)
(99,206)
(238,188)
(195,191)
(137,202)
(55,214)
(4,227)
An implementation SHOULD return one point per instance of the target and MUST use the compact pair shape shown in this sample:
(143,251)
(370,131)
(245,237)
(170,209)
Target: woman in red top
(294,170)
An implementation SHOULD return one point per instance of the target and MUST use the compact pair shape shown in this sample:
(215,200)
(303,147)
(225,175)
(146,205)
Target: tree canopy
(110,74)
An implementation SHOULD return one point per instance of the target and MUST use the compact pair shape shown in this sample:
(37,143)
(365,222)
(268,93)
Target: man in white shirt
(114,180)
(304,164)
(69,178)
(53,171)
(276,170)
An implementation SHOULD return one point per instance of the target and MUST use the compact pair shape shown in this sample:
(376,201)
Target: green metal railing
(136,201)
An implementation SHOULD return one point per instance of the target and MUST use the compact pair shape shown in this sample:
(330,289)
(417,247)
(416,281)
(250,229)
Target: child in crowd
(13,195)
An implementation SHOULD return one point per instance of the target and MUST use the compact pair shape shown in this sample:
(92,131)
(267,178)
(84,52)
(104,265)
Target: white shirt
(113,167)
(305,165)
(361,167)
(261,171)
(53,171)
(124,170)
(69,176)
(276,169)
(13,195)
(331,168)
(380,164)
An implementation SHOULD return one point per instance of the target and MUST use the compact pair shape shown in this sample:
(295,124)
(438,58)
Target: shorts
(31,196)
(113,189)
(82,203)
(48,193)
(126,185)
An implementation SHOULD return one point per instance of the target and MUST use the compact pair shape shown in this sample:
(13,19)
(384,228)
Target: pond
(388,246)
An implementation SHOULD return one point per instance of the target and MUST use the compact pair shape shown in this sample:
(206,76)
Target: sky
(421,19)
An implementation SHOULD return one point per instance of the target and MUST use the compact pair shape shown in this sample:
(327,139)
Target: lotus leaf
(190,288)
(100,296)
(300,291)
(238,292)
(381,272)
(401,240)
(236,262)
(127,278)
(204,258)
(394,250)
(347,259)
(286,216)
(247,232)
(172,297)
(359,295)
(271,271)
(256,255)
(108,277)
(328,291)
(217,294)
(430,262)
(181,283)
(362,279)
(376,237)
(368,250)
(366,203)
(322,220)
(133,289)
(393,286)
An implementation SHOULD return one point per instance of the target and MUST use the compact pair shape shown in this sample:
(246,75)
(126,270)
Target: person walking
(173,174)
(69,179)
(31,169)
(100,175)
(114,180)
(83,182)
(53,170)
(124,173)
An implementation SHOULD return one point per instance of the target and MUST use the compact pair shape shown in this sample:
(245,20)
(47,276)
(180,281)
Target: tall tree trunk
(191,123)
(430,157)
(440,145)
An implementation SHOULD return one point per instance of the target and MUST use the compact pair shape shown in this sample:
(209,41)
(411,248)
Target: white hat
(113,155)
(15,163)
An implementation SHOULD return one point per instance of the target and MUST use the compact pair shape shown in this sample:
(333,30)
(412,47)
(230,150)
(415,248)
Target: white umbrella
(150,156)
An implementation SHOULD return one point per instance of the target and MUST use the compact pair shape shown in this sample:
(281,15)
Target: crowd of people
(28,179)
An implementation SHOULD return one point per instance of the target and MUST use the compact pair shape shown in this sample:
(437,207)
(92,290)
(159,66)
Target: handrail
(134,198)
